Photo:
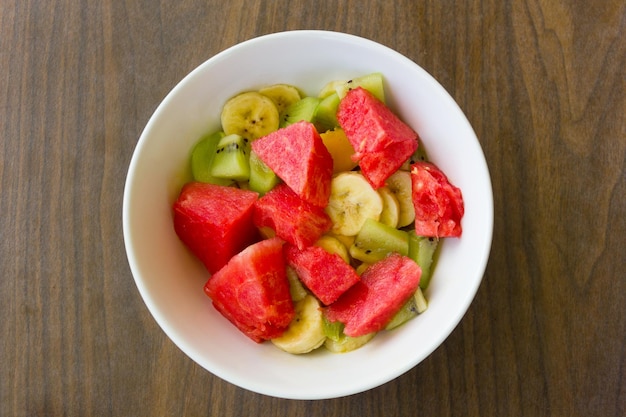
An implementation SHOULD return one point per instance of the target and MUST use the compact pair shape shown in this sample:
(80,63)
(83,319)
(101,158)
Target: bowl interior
(170,280)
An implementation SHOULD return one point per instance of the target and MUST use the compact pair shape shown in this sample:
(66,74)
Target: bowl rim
(156,312)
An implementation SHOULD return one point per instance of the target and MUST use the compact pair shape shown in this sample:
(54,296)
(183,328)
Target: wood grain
(543,84)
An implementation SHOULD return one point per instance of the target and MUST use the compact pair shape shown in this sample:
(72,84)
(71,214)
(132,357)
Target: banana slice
(399,183)
(391,207)
(306,331)
(333,245)
(250,115)
(283,95)
(352,201)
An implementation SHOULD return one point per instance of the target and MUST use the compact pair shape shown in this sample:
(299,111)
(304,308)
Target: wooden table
(542,82)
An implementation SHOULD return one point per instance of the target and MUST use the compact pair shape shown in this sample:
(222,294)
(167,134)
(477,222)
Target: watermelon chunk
(372,302)
(214,221)
(252,291)
(326,274)
(298,156)
(438,204)
(293,219)
(382,142)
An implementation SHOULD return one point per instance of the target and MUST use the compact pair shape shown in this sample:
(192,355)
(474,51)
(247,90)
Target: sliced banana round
(306,331)
(333,245)
(352,201)
(391,207)
(283,95)
(399,183)
(250,115)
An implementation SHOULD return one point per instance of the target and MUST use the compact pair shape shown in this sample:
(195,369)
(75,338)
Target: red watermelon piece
(292,218)
(438,204)
(297,154)
(252,291)
(214,222)
(372,302)
(382,142)
(326,274)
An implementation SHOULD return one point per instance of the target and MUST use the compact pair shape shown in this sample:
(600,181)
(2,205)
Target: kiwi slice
(303,109)
(422,251)
(376,240)
(415,305)
(371,82)
(326,113)
(231,158)
(262,178)
(202,156)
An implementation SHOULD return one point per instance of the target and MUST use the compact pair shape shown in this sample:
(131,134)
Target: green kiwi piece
(202,156)
(303,109)
(371,82)
(262,178)
(326,114)
(415,305)
(422,251)
(231,158)
(376,240)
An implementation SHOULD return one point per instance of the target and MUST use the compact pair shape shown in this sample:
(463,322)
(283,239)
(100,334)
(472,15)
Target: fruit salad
(318,218)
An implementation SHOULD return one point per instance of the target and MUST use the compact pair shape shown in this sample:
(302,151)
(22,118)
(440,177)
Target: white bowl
(171,281)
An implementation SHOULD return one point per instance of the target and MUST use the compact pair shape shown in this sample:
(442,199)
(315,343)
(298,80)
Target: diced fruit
(372,302)
(293,219)
(370,82)
(306,331)
(283,95)
(422,250)
(326,113)
(376,240)
(250,114)
(352,201)
(302,110)
(381,140)
(333,245)
(323,257)
(340,149)
(438,204)
(326,275)
(298,156)
(214,222)
(232,158)
(338,342)
(391,207)
(252,291)
(262,178)
(416,305)
(202,156)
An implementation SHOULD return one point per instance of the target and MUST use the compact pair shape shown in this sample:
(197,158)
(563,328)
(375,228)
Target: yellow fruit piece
(340,149)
